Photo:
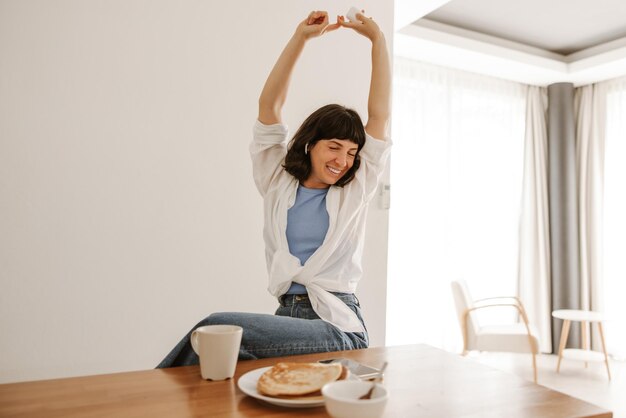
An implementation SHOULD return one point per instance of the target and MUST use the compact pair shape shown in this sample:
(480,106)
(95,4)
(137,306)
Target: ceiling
(561,26)
(537,42)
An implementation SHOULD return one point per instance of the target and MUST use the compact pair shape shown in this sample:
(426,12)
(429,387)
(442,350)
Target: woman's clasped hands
(318,23)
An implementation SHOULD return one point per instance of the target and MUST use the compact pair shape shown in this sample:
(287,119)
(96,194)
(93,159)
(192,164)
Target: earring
(306,149)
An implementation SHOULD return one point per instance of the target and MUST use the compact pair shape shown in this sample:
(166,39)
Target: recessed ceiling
(560,26)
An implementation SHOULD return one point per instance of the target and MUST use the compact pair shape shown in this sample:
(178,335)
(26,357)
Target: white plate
(247,384)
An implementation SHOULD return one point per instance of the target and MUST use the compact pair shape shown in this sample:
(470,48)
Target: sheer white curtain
(534,231)
(601,152)
(614,240)
(590,110)
(456,172)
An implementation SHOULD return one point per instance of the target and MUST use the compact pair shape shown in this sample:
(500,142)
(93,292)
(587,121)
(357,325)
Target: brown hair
(332,121)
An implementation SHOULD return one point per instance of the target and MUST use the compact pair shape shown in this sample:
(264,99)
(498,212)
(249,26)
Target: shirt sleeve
(267,150)
(374,156)
(375,152)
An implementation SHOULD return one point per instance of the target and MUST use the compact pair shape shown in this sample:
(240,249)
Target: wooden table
(423,382)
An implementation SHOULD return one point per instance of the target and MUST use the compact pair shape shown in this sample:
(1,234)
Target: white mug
(218,349)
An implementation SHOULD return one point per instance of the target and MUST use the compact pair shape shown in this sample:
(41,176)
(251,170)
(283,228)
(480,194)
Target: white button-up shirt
(336,265)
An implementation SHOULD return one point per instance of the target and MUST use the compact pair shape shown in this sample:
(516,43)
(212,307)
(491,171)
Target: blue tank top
(307,224)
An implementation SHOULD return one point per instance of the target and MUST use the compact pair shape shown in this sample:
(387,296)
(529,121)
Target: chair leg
(585,339)
(606,357)
(534,349)
(465,336)
(564,333)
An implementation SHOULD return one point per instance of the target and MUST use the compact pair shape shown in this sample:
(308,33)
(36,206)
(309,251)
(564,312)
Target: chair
(516,338)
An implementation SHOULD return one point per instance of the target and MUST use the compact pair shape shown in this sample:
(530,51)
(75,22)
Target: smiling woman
(331,159)
(315,193)
(325,149)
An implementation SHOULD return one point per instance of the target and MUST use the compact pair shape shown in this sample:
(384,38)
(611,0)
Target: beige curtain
(534,231)
(590,108)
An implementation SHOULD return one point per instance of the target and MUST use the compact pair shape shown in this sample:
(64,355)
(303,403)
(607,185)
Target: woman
(315,200)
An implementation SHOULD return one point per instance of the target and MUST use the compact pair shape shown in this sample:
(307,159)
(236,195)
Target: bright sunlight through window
(615,221)
(456,172)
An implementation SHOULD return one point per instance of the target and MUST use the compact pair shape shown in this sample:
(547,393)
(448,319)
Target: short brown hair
(332,121)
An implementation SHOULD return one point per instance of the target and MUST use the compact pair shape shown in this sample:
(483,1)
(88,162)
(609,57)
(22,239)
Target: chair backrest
(463,301)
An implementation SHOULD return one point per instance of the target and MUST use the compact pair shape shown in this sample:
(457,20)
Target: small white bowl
(342,399)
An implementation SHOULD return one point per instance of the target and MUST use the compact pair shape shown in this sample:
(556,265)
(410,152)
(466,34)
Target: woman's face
(330,160)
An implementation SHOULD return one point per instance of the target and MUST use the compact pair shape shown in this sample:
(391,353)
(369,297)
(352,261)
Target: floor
(590,384)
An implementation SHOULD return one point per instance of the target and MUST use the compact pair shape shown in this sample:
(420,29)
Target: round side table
(586,354)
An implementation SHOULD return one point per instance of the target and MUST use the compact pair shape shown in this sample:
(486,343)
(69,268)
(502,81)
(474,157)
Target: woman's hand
(365,26)
(316,24)
(379,99)
(275,89)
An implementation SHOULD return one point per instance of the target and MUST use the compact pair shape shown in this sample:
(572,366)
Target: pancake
(298,379)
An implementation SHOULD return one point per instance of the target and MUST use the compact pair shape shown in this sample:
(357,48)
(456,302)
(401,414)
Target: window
(456,173)
(615,219)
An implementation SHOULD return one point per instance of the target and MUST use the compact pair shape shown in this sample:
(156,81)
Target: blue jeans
(294,329)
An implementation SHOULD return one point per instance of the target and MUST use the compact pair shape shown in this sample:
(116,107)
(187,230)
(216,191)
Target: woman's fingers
(364,25)
(317,17)
(312,17)
(317,23)
(335,25)
(332,27)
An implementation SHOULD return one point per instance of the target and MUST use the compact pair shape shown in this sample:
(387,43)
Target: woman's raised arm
(274,92)
(379,101)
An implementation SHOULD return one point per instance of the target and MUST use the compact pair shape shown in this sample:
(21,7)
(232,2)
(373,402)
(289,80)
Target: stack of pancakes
(295,380)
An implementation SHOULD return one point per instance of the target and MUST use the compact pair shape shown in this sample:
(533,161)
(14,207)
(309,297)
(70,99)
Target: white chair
(516,338)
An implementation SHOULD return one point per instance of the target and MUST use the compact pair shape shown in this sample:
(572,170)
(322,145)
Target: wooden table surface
(422,381)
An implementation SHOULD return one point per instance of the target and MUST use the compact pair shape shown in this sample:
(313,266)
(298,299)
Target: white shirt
(336,265)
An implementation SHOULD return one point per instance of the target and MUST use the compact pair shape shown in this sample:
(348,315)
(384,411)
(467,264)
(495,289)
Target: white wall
(127,207)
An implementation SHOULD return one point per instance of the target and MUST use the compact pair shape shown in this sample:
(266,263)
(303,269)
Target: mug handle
(194,341)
